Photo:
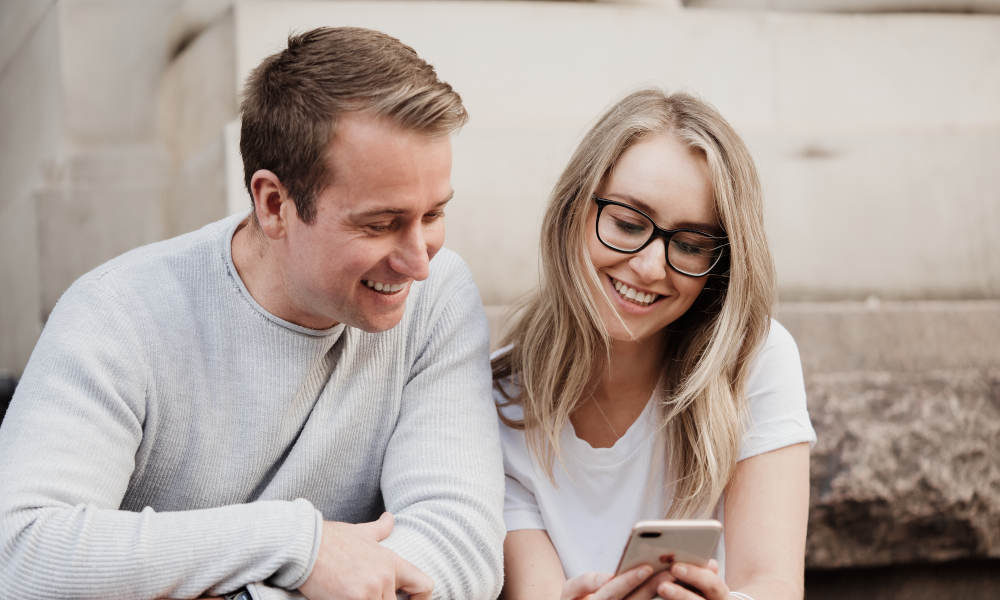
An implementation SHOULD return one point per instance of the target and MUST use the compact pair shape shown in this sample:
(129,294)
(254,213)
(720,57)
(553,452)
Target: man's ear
(271,203)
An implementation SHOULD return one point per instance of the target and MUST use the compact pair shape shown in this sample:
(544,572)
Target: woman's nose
(650,264)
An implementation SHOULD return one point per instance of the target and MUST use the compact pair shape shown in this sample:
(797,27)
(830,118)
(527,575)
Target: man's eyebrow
(446,199)
(636,202)
(391,211)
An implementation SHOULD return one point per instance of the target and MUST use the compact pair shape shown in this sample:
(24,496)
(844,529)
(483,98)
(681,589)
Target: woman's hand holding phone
(635,584)
(700,583)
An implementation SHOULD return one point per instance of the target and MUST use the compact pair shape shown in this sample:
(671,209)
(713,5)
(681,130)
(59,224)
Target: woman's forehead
(665,178)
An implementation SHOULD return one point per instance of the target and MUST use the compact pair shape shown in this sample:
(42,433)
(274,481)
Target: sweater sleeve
(443,476)
(262,591)
(68,446)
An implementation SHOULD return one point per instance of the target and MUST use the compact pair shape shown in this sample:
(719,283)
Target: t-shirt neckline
(227,253)
(635,437)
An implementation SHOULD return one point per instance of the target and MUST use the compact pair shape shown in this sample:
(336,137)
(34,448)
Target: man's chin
(378,323)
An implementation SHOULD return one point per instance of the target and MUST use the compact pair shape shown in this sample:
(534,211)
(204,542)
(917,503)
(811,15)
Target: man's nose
(650,264)
(411,257)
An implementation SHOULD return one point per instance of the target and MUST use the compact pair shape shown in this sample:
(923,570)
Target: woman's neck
(632,364)
(619,392)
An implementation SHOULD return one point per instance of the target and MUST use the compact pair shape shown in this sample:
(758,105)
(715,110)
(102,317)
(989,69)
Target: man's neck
(255,266)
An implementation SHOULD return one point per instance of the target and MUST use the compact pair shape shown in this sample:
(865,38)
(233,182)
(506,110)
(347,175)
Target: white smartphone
(662,543)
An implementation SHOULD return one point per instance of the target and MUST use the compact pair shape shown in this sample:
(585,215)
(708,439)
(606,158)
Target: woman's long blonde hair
(559,339)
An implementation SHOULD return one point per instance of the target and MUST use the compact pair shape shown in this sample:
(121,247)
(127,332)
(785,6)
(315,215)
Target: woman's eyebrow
(636,202)
(649,210)
(705,227)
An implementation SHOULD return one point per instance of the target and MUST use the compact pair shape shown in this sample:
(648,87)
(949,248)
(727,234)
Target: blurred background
(875,126)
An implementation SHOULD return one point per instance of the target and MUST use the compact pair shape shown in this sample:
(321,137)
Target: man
(231,411)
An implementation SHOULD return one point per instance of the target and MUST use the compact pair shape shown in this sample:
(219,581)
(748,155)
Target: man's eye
(434,215)
(381,227)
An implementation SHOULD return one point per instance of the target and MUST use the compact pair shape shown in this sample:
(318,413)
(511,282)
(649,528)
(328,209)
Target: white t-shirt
(600,493)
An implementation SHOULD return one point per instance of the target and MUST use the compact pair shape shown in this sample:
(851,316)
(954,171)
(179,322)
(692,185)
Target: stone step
(906,467)
(894,336)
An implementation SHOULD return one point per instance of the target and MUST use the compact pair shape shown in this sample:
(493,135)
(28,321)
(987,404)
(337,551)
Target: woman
(645,378)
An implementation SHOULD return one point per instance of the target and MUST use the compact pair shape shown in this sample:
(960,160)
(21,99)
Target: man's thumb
(382,527)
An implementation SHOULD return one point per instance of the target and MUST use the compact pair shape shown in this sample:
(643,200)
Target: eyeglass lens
(625,229)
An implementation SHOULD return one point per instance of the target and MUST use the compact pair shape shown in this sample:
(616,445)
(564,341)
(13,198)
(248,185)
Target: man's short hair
(293,98)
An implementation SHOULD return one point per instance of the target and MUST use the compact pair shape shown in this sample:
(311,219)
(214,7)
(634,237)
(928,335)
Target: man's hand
(351,565)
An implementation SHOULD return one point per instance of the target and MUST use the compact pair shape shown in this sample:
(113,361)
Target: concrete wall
(31,109)
(864,6)
(197,98)
(110,140)
(876,135)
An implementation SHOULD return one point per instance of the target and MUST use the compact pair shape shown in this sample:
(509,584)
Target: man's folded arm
(443,473)
(68,446)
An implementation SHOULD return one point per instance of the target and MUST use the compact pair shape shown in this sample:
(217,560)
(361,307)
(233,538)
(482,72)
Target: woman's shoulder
(779,337)
(778,355)
(776,396)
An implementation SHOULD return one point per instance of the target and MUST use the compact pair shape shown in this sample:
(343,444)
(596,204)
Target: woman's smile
(634,295)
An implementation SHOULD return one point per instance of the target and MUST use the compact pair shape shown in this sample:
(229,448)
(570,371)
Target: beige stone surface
(897,215)
(196,98)
(83,221)
(847,337)
(31,109)
(20,288)
(112,55)
(865,6)
(31,117)
(876,134)
(18,21)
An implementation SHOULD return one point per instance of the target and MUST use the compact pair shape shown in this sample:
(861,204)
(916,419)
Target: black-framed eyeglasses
(629,230)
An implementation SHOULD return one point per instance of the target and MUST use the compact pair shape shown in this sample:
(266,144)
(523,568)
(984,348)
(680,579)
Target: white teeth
(631,294)
(385,288)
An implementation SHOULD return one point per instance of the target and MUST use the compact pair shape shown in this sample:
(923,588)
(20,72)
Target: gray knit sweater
(171,438)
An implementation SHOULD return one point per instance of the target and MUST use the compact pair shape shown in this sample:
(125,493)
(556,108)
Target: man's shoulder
(449,277)
(448,265)
(152,267)
(154,255)
(158,282)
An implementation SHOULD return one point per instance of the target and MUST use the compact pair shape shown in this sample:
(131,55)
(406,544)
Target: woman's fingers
(648,590)
(581,585)
(704,580)
(620,586)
